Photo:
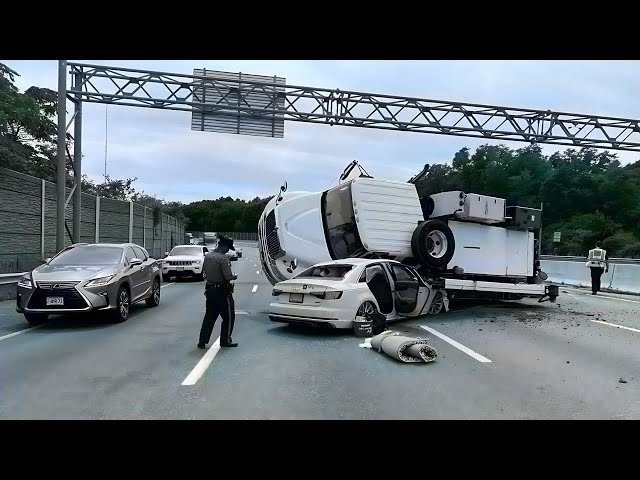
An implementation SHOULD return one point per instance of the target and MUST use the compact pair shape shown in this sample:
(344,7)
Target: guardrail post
(98,219)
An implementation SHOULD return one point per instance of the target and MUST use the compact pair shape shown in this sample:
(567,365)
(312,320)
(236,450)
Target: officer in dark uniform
(219,293)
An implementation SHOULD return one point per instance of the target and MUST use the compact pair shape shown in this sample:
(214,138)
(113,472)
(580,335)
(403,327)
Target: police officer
(597,261)
(219,293)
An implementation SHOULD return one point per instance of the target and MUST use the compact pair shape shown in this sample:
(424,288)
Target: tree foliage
(587,195)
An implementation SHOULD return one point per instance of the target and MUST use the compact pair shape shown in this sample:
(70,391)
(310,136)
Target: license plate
(55,301)
(179,269)
(296,297)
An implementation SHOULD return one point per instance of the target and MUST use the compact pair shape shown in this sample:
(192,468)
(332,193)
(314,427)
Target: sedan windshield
(89,255)
(186,251)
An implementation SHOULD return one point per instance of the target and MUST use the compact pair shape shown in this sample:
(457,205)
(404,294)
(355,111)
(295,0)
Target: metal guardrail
(9,278)
(613,261)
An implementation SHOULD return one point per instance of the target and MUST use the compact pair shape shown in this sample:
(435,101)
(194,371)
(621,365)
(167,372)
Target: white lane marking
(459,346)
(604,296)
(258,272)
(616,298)
(20,332)
(612,325)
(203,364)
(253,290)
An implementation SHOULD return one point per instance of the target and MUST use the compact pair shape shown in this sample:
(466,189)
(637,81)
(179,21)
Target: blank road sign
(229,96)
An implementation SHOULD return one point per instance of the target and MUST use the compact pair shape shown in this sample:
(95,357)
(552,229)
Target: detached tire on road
(35,318)
(433,244)
(154,299)
(123,303)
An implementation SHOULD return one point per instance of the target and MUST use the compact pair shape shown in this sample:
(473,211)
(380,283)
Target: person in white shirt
(598,262)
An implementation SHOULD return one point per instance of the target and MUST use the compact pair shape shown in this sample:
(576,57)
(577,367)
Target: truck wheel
(433,244)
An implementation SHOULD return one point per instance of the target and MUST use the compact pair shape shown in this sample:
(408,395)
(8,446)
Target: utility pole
(77,160)
(62,134)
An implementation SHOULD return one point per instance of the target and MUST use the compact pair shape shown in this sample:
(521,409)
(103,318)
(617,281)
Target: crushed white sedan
(332,294)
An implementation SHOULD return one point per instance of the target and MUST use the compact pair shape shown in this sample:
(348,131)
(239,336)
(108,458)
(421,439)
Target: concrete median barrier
(620,278)
(626,278)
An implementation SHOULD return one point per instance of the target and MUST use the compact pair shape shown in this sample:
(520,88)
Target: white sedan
(333,293)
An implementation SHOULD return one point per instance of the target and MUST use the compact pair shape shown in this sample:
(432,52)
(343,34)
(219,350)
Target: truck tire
(433,244)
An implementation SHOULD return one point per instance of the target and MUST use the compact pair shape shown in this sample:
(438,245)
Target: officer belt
(216,285)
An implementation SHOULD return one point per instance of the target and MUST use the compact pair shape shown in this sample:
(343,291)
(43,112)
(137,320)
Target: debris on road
(403,348)
(622,380)
(362,327)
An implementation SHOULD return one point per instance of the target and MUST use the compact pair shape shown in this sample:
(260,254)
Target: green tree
(587,194)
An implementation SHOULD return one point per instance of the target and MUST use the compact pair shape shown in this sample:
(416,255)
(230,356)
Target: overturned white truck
(469,244)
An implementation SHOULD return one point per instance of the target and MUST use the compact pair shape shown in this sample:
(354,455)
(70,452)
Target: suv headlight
(98,282)
(197,262)
(24,282)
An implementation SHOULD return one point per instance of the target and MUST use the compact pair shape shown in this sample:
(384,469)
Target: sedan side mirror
(166,254)
(47,260)
(134,262)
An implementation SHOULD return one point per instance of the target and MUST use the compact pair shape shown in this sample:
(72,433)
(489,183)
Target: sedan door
(410,294)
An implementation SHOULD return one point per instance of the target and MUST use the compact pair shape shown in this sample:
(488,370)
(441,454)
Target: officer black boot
(231,344)
(201,346)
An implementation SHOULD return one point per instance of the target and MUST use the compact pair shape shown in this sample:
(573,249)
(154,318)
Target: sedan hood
(70,273)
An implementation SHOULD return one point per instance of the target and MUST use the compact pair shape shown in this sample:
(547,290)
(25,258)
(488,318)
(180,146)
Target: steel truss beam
(171,91)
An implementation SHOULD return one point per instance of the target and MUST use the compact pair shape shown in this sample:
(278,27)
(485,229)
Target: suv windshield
(330,272)
(89,255)
(186,251)
(341,231)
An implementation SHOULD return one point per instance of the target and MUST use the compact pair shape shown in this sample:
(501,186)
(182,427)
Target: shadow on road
(298,331)
(85,321)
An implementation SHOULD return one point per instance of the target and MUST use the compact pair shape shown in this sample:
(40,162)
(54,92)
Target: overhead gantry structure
(257,105)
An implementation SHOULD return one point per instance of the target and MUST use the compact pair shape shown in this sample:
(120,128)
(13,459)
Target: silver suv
(86,277)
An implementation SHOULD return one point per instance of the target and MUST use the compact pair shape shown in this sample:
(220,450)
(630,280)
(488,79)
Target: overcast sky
(175,163)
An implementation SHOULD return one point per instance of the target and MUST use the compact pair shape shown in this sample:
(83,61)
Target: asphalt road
(522,360)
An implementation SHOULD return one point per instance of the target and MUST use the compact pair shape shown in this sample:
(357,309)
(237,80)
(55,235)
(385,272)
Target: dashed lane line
(458,345)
